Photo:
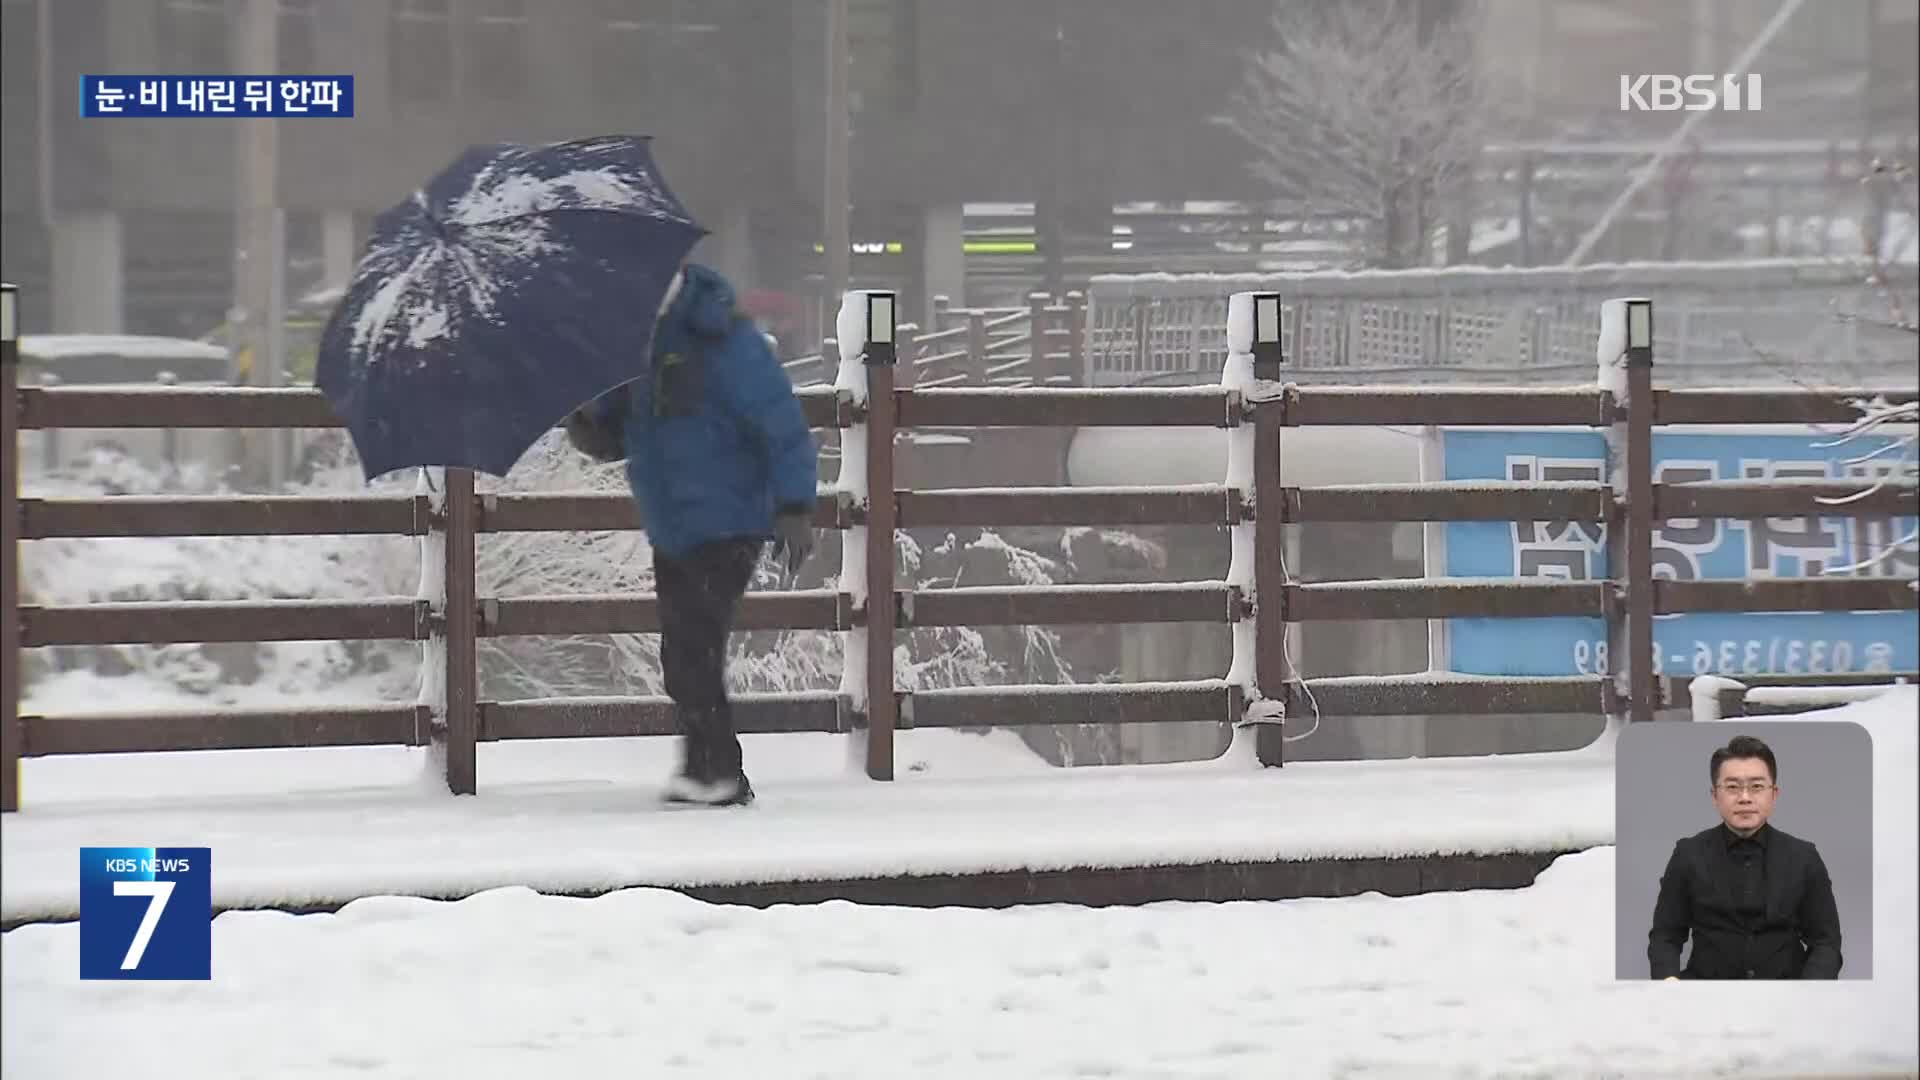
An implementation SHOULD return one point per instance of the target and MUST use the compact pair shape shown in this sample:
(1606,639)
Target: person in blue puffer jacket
(720,461)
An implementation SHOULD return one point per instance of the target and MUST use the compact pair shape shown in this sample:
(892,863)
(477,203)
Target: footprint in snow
(860,965)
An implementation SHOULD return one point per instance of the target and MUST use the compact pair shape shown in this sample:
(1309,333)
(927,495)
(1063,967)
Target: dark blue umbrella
(519,283)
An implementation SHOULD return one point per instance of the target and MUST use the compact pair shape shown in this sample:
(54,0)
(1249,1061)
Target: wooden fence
(1263,603)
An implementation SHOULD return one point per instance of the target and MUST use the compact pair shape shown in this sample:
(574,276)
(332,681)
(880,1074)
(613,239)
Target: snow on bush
(81,571)
(557,563)
(512,564)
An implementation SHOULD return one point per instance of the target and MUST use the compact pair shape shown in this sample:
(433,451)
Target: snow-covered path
(310,826)
(647,983)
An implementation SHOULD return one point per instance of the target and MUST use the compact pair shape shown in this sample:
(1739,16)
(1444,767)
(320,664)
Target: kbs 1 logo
(1690,93)
(146,913)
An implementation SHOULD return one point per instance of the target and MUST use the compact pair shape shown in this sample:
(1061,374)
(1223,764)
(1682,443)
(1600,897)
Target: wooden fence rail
(1263,600)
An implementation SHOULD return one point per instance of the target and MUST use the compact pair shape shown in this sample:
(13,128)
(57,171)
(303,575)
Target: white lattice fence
(1756,321)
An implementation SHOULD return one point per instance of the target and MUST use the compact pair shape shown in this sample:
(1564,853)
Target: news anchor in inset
(1757,902)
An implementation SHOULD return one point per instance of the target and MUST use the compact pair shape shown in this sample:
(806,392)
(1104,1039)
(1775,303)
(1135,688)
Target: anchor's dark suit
(1758,907)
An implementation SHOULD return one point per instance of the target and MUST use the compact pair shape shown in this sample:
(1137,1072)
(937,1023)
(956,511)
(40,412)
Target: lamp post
(10,548)
(873,480)
(835,191)
(1628,376)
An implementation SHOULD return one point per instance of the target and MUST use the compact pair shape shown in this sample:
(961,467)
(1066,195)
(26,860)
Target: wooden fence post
(1141,313)
(1525,182)
(462,622)
(1273,669)
(170,437)
(1077,338)
(1716,697)
(1626,371)
(976,365)
(1260,666)
(10,666)
(868,326)
(51,456)
(879,361)
(906,351)
(1039,364)
(449,667)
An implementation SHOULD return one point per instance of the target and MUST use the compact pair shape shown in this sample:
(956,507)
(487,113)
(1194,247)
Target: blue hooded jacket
(716,441)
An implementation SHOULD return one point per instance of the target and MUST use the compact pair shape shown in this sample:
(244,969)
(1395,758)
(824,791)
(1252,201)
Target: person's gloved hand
(793,536)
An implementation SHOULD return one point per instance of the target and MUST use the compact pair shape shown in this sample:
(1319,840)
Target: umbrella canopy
(517,284)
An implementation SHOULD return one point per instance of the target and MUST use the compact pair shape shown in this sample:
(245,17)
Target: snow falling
(1069,249)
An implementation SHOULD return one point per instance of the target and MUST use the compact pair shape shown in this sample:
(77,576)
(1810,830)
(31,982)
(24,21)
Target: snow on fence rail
(1717,697)
(1259,599)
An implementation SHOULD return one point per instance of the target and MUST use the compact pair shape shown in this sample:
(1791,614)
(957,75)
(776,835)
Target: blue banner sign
(1718,643)
(263,96)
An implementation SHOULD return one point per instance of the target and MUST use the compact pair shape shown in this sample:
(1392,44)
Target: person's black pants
(698,593)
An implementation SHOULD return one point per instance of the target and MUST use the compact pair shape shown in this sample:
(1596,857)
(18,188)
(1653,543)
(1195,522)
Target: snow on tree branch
(1893,460)
(1367,110)
(1890,183)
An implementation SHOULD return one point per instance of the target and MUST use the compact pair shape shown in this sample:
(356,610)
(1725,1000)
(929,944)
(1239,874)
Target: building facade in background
(1061,109)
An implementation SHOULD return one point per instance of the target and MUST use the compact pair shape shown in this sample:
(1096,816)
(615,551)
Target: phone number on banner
(1753,656)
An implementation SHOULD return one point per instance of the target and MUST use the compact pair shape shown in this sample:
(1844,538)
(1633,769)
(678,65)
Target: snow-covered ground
(649,983)
(576,815)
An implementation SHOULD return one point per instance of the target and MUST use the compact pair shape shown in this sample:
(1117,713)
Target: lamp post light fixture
(1639,333)
(881,328)
(1267,352)
(10,320)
